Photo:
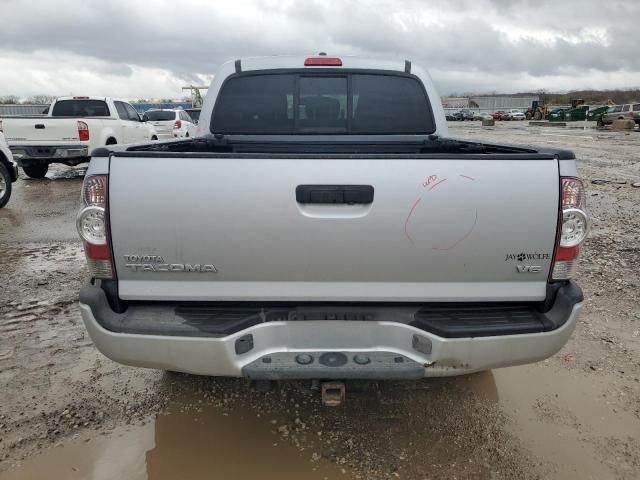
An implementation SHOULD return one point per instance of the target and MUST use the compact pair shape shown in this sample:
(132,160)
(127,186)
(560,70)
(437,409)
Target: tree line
(32,100)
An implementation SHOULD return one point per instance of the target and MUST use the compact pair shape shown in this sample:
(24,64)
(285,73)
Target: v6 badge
(529,268)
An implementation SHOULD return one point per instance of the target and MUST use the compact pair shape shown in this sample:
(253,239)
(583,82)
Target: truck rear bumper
(326,349)
(31,153)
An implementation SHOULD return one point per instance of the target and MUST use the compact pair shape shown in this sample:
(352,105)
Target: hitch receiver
(333,394)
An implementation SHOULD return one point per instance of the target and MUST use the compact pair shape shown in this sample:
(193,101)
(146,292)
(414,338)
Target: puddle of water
(119,455)
(42,209)
(181,445)
(67,173)
(564,418)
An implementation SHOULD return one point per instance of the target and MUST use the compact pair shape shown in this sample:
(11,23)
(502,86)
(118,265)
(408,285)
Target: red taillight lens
(93,225)
(178,124)
(83,131)
(323,62)
(573,228)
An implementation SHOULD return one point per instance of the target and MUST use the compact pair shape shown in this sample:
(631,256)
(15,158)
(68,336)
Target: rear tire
(5,185)
(38,170)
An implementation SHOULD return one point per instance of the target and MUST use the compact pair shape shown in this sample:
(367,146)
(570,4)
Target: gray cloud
(502,45)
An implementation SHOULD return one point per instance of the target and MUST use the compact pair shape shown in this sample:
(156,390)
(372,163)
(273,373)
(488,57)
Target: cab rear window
(80,108)
(322,103)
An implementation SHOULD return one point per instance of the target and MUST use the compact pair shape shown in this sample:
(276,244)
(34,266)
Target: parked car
(628,110)
(469,115)
(72,129)
(513,114)
(8,171)
(482,116)
(292,246)
(635,108)
(557,114)
(173,123)
(464,114)
(498,115)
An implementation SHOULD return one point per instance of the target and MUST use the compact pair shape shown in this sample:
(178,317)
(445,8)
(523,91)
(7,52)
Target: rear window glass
(390,104)
(80,108)
(159,116)
(303,103)
(194,114)
(255,104)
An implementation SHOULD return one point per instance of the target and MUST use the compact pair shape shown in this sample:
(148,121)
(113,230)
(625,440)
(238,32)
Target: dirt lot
(67,412)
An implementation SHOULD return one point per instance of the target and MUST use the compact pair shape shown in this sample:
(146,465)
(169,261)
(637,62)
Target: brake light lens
(574,228)
(92,225)
(177,125)
(323,62)
(83,131)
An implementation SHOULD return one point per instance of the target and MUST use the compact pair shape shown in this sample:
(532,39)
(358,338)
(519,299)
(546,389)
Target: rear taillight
(573,228)
(178,124)
(83,131)
(93,226)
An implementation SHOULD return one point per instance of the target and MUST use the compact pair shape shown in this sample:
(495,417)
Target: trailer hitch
(333,393)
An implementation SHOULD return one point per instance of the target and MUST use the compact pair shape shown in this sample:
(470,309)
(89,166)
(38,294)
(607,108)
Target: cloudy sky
(150,49)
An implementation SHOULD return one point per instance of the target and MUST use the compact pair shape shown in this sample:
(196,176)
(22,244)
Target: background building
(488,103)
(11,109)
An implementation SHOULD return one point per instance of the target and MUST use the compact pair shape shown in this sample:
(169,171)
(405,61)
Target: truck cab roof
(319,64)
(88,97)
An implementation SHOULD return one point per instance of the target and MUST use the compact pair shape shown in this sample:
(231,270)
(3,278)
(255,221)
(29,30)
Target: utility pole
(196,96)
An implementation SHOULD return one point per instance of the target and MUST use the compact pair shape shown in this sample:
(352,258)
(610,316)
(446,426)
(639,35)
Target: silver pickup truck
(322,225)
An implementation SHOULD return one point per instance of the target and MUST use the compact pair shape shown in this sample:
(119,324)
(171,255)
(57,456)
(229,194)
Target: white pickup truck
(324,226)
(71,130)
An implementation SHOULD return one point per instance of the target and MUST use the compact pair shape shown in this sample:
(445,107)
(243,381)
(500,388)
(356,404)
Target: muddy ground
(67,412)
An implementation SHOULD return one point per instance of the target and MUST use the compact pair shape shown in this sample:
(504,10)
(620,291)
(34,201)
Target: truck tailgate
(43,130)
(462,228)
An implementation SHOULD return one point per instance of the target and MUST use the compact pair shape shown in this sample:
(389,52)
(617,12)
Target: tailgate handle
(40,126)
(336,194)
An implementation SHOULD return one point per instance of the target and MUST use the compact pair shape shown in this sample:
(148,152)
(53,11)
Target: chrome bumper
(47,152)
(355,349)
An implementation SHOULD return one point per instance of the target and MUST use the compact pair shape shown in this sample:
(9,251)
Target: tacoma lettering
(172,267)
